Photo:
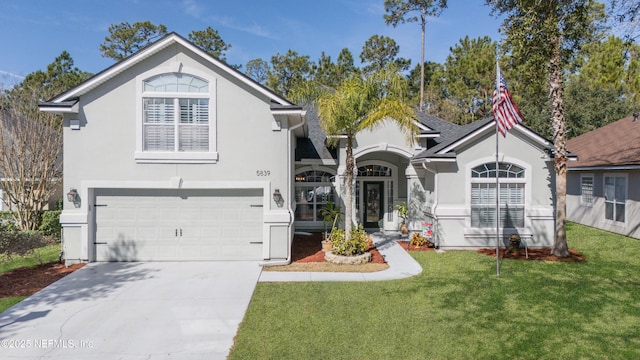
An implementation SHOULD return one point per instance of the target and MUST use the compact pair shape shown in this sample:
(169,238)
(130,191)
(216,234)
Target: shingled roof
(613,145)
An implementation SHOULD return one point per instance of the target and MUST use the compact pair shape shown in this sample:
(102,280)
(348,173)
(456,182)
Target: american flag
(505,111)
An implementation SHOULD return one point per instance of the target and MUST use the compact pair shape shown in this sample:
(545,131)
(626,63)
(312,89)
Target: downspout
(435,202)
(287,261)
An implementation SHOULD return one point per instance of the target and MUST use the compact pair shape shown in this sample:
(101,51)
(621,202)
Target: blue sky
(34,32)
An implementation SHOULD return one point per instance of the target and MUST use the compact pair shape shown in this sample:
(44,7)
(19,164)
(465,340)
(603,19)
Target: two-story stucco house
(170,154)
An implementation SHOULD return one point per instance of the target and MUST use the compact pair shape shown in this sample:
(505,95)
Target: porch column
(415,198)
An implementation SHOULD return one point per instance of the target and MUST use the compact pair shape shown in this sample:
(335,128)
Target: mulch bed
(543,254)
(308,248)
(534,254)
(405,245)
(27,281)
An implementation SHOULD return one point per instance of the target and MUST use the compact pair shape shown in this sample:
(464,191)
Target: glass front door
(373,204)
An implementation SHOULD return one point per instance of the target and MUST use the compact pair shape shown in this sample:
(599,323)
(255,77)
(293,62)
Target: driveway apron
(145,310)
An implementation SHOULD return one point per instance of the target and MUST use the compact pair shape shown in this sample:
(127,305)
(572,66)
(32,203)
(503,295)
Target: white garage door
(176,225)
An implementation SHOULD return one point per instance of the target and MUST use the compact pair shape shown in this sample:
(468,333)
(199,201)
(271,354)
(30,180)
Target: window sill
(176,158)
(485,232)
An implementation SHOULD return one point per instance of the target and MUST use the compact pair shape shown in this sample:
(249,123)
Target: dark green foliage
(20,243)
(125,39)
(380,51)
(287,71)
(470,78)
(50,225)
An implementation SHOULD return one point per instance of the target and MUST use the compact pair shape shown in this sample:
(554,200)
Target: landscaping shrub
(7,221)
(418,240)
(50,225)
(358,244)
(20,243)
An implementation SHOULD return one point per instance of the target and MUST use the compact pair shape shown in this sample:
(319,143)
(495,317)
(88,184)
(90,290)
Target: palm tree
(360,103)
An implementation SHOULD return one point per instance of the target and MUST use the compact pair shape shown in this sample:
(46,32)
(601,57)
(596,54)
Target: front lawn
(458,309)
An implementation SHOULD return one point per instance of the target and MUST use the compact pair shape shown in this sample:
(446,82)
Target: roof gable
(615,144)
(456,138)
(172,38)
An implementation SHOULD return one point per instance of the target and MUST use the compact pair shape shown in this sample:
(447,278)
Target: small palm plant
(403,212)
(331,214)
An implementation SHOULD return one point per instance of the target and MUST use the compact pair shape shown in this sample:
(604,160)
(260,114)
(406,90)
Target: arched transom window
(174,82)
(175,113)
(483,195)
(374,170)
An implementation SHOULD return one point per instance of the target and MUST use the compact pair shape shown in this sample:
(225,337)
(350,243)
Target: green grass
(45,254)
(459,309)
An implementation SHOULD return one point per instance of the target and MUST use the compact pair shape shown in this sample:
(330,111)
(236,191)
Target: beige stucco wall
(453,190)
(102,151)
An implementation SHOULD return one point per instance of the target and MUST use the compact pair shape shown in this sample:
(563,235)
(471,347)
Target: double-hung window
(586,190)
(176,118)
(483,195)
(615,195)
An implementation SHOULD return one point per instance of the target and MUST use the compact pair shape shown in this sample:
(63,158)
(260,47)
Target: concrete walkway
(401,265)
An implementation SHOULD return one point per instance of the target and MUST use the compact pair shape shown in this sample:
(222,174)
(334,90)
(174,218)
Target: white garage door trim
(255,234)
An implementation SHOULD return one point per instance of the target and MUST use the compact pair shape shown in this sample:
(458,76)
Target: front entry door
(373,209)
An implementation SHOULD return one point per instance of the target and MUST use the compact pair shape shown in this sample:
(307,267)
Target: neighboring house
(603,185)
(177,156)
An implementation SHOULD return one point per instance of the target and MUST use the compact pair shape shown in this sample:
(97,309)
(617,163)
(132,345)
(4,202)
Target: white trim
(490,126)
(74,109)
(289,112)
(145,157)
(468,138)
(593,188)
(605,168)
(437,160)
(306,223)
(382,147)
(624,223)
(83,217)
(394,178)
(208,157)
(468,180)
(154,48)
(312,162)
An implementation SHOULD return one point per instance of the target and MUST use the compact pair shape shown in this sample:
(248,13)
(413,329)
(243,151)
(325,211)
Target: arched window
(374,170)
(175,113)
(483,195)
(174,82)
(314,189)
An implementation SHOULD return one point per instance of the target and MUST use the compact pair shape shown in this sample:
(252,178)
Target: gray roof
(443,127)
(450,134)
(314,146)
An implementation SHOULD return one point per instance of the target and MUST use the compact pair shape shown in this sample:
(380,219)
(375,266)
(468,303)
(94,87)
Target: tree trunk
(560,247)
(348,210)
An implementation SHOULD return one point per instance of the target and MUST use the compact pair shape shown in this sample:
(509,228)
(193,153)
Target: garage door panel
(178,225)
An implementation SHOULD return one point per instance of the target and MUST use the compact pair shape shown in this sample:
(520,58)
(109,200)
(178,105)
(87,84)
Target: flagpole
(497,178)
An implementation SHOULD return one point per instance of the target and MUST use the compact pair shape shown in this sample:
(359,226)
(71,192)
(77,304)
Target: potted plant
(331,214)
(403,212)
(514,243)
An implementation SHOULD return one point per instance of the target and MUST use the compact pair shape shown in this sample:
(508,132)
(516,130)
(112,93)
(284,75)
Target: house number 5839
(263,172)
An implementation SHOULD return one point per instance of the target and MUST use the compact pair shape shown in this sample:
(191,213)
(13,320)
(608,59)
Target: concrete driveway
(155,310)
